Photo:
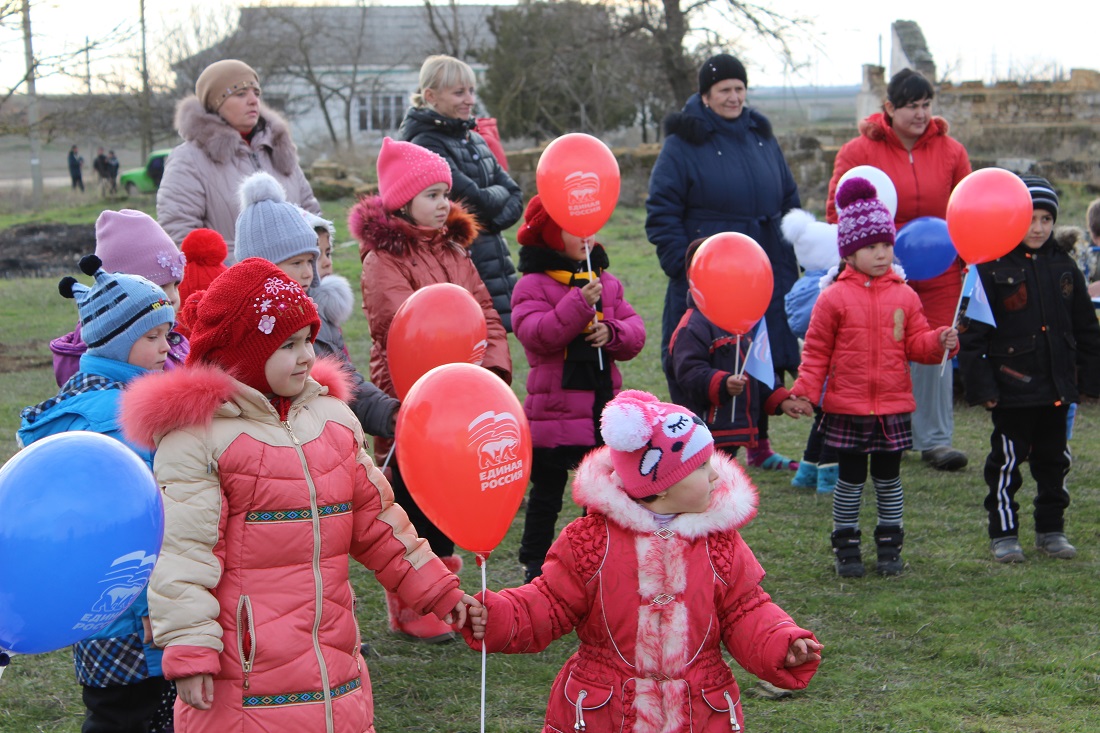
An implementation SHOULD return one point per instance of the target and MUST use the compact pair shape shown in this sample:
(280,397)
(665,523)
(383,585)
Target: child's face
(324,265)
(430,207)
(691,494)
(288,368)
(576,248)
(1042,222)
(172,290)
(873,260)
(151,350)
(299,268)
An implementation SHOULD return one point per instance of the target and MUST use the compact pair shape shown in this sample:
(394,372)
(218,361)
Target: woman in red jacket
(913,148)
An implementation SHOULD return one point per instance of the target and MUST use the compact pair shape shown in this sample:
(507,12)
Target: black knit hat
(719,68)
(1043,195)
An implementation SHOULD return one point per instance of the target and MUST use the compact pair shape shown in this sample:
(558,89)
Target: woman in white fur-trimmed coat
(654,579)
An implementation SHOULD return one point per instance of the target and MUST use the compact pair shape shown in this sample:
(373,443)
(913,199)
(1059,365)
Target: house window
(382,111)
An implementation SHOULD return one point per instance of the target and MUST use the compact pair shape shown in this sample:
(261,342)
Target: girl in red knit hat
(267,491)
(411,236)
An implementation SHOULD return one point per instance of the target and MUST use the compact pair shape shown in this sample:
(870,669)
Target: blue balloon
(924,248)
(81,526)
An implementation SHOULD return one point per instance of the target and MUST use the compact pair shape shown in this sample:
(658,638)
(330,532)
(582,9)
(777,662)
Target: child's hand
(796,407)
(989,404)
(479,619)
(457,617)
(802,651)
(196,691)
(949,339)
(735,384)
(592,291)
(601,334)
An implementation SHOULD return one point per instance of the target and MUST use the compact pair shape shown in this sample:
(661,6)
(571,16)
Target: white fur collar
(732,503)
(830,277)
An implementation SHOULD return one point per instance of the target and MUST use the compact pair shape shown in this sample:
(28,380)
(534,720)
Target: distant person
(112,171)
(228,135)
(912,147)
(1042,356)
(76,168)
(99,165)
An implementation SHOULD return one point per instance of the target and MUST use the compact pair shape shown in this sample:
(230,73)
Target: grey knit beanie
(268,226)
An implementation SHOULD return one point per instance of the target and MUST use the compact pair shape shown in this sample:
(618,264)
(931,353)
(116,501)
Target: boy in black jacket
(1042,355)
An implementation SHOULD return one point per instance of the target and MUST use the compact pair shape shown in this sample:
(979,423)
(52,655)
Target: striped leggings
(886,477)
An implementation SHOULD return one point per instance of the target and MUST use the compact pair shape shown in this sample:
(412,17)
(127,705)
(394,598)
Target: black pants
(1036,435)
(550,469)
(441,544)
(816,451)
(125,708)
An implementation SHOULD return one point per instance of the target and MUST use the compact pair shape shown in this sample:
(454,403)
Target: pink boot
(762,456)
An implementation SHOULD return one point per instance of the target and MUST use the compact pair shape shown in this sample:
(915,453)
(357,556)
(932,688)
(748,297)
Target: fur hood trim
(334,299)
(695,123)
(213,135)
(732,503)
(832,275)
(877,127)
(157,404)
(378,229)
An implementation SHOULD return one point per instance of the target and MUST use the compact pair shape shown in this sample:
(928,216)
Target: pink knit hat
(132,242)
(653,444)
(404,170)
(862,219)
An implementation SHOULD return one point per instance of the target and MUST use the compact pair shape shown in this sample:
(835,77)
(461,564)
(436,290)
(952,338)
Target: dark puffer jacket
(484,188)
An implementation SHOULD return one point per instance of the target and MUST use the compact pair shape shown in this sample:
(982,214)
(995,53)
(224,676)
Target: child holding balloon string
(865,329)
(574,322)
(655,579)
(268,490)
(125,322)
(411,236)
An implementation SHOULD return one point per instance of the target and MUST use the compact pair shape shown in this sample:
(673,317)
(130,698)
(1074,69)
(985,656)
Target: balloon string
(954,324)
(484,593)
(387,461)
(737,371)
(596,319)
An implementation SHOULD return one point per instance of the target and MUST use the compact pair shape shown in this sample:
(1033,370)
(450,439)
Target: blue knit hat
(269,227)
(117,310)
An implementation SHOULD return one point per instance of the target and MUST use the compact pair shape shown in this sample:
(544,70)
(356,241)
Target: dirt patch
(44,250)
(25,356)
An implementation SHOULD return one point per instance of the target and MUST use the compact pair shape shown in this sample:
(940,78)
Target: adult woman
(721,170)
(441,120)
(228,135)
(913,148)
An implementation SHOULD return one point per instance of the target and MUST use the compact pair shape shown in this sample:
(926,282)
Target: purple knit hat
(132,242)
(863,220)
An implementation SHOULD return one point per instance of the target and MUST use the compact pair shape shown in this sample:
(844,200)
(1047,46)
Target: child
(129,241)
(655,578)
(118,667)
(1043,353)
(272,229)
(865,329)
(703,373)
(206,253)
(1092,219)
(410,236)
(563,314)
(815,247)
(267,491)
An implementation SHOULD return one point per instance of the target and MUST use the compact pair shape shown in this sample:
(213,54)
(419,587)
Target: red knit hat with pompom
(206,253)
(538,229)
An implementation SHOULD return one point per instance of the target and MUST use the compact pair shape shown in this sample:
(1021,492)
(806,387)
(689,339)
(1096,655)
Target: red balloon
(988,214)
(731,281)
(578,182)
(438,324)
(464,449)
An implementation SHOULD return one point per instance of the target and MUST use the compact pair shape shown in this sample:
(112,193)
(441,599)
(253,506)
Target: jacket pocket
(1010,288)
(1015,360)
(246,636)
(586,698)
(726,701)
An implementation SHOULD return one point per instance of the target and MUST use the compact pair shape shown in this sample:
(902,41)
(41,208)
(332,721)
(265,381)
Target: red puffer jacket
(652,608)
(924,179)
(863,333)
(260,518)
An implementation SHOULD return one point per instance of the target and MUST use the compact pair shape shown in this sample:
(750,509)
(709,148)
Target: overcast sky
(968,40)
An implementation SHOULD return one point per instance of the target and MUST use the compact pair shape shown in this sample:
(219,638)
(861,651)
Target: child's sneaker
(1007,549)
(827,477)
(807,476)
(762,456)
(1054,544)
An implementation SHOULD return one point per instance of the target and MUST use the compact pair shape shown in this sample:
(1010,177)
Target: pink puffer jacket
(260,518)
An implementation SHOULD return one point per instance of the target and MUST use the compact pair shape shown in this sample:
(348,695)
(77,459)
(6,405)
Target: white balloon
(887,194)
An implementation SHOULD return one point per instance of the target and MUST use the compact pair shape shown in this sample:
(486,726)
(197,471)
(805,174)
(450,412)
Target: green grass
(955,644)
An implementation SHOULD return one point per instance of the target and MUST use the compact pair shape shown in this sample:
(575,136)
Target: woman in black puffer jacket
(441,119)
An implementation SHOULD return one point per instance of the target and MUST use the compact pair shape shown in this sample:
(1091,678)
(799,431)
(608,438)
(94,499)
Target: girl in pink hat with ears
(655,579)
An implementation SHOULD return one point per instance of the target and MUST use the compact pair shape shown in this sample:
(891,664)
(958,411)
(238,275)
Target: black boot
(888,539)
(846,548)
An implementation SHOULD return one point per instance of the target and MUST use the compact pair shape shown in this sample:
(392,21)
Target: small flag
(758,362)
(978,308)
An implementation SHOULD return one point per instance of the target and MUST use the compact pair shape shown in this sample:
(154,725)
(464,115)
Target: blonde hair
(438,72)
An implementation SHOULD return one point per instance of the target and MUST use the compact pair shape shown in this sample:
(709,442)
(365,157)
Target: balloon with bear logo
(81,526)
(578,181)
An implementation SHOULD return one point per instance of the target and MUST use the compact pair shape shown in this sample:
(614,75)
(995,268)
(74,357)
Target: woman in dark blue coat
(721,170)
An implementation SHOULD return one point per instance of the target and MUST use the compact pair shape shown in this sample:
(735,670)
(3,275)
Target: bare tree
(446,26)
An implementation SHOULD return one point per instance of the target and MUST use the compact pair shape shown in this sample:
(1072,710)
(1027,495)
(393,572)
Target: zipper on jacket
(733,711)
(290,432)
(246,636)
(875,344)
